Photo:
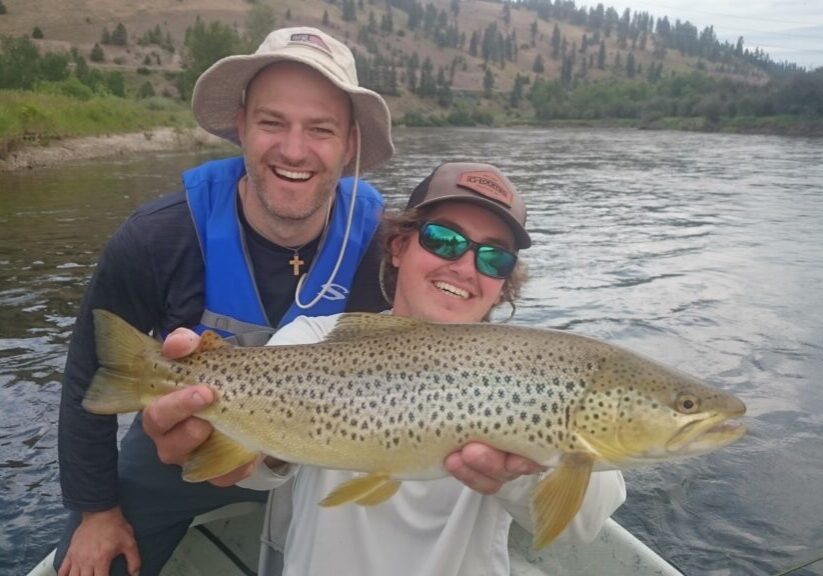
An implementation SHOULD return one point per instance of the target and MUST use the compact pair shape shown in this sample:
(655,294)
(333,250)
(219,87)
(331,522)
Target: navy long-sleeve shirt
(151,274)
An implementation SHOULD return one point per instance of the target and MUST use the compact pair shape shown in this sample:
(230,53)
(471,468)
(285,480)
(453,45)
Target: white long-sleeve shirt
(436,527)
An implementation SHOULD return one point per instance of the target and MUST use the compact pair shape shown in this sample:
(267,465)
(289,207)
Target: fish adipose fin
(216,456)
(368,490)
(124,354)
(558,497)
(211,341)
(360,326)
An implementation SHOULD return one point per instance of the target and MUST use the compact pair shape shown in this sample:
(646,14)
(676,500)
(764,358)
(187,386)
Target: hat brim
(522,239)
(218,96)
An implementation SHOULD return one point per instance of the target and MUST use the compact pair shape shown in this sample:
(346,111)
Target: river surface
(702,251)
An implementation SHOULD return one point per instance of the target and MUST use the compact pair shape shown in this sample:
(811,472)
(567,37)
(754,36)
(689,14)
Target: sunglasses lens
(450,244)
(495,262)
(443,242)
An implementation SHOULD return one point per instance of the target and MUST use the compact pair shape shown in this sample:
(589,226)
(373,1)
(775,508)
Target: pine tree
(2,8)
(97,54)
(488,83)
(538,67)
(631,65)
(120,37)
(516,95)
(428,85)
(601,56)
(556,39)
(146,90)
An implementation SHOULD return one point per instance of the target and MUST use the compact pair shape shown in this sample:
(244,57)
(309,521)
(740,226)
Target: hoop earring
(511,314)
(382,281)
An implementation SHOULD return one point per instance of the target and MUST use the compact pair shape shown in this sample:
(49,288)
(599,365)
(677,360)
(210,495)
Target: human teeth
(291,175)
(452,289)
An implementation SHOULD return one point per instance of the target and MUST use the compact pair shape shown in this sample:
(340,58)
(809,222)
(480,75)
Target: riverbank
(61,151)
(72,149)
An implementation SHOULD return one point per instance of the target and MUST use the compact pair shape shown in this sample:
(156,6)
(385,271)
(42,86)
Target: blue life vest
(232,303)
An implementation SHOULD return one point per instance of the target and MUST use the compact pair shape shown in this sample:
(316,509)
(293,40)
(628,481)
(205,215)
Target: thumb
(180,343)
(132,560)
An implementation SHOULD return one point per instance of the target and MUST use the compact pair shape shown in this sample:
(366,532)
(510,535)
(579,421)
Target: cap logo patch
(486,183)
(310,40)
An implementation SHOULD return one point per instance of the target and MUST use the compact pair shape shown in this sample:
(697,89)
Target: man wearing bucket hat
(251,243)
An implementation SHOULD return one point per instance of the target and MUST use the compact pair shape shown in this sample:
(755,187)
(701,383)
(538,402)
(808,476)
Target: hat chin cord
(345,243)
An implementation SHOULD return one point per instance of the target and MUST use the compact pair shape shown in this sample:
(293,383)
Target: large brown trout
(392,397)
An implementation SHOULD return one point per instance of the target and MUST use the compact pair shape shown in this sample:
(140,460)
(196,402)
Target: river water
(702,251)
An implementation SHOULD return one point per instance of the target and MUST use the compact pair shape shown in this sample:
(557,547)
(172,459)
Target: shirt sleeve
(87,443)
(302,330)
(605,493)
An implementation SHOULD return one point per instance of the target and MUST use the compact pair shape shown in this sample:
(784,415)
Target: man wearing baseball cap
(249,244)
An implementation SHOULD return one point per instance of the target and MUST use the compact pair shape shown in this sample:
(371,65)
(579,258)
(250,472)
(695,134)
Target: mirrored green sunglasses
(449,244)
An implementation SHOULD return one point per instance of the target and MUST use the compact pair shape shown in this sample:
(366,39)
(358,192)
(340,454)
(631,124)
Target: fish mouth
(706,435)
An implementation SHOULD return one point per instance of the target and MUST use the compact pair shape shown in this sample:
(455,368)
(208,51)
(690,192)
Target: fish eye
(687,404)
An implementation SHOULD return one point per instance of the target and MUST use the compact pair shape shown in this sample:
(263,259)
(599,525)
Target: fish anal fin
(216,456)
(364,325)
(368,490)
(211,341)
(557,498)
(380,494)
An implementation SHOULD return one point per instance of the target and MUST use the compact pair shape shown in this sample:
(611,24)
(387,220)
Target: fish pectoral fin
(557,498)
(211,341)
(368,490)
(216,456)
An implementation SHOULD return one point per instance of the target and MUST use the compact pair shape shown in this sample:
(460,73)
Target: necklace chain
(296,262)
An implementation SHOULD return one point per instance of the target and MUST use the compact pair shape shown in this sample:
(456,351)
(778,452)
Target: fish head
(638,410)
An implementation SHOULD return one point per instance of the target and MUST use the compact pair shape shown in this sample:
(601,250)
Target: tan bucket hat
(218,94)
(477,183)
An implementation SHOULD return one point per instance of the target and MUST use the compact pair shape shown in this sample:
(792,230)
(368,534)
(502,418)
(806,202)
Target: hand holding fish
(171,421)
(485,469)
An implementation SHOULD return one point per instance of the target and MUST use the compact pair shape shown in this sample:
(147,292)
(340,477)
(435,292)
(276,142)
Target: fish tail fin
(558,497)
(368,490)
(123,353)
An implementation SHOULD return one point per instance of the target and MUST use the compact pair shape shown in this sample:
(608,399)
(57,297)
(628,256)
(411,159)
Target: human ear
(397,246)
(353,139)
(240,125)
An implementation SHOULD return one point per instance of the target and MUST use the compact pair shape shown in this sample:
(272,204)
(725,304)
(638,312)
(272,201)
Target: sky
(787,30)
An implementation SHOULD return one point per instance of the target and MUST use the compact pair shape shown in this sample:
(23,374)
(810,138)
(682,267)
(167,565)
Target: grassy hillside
(458,61)
(80,24)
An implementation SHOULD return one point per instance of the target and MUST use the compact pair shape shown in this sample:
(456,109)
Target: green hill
(445,61)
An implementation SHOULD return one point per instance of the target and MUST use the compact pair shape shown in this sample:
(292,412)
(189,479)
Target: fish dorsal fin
(360,326)
(558,497)
(211,341)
